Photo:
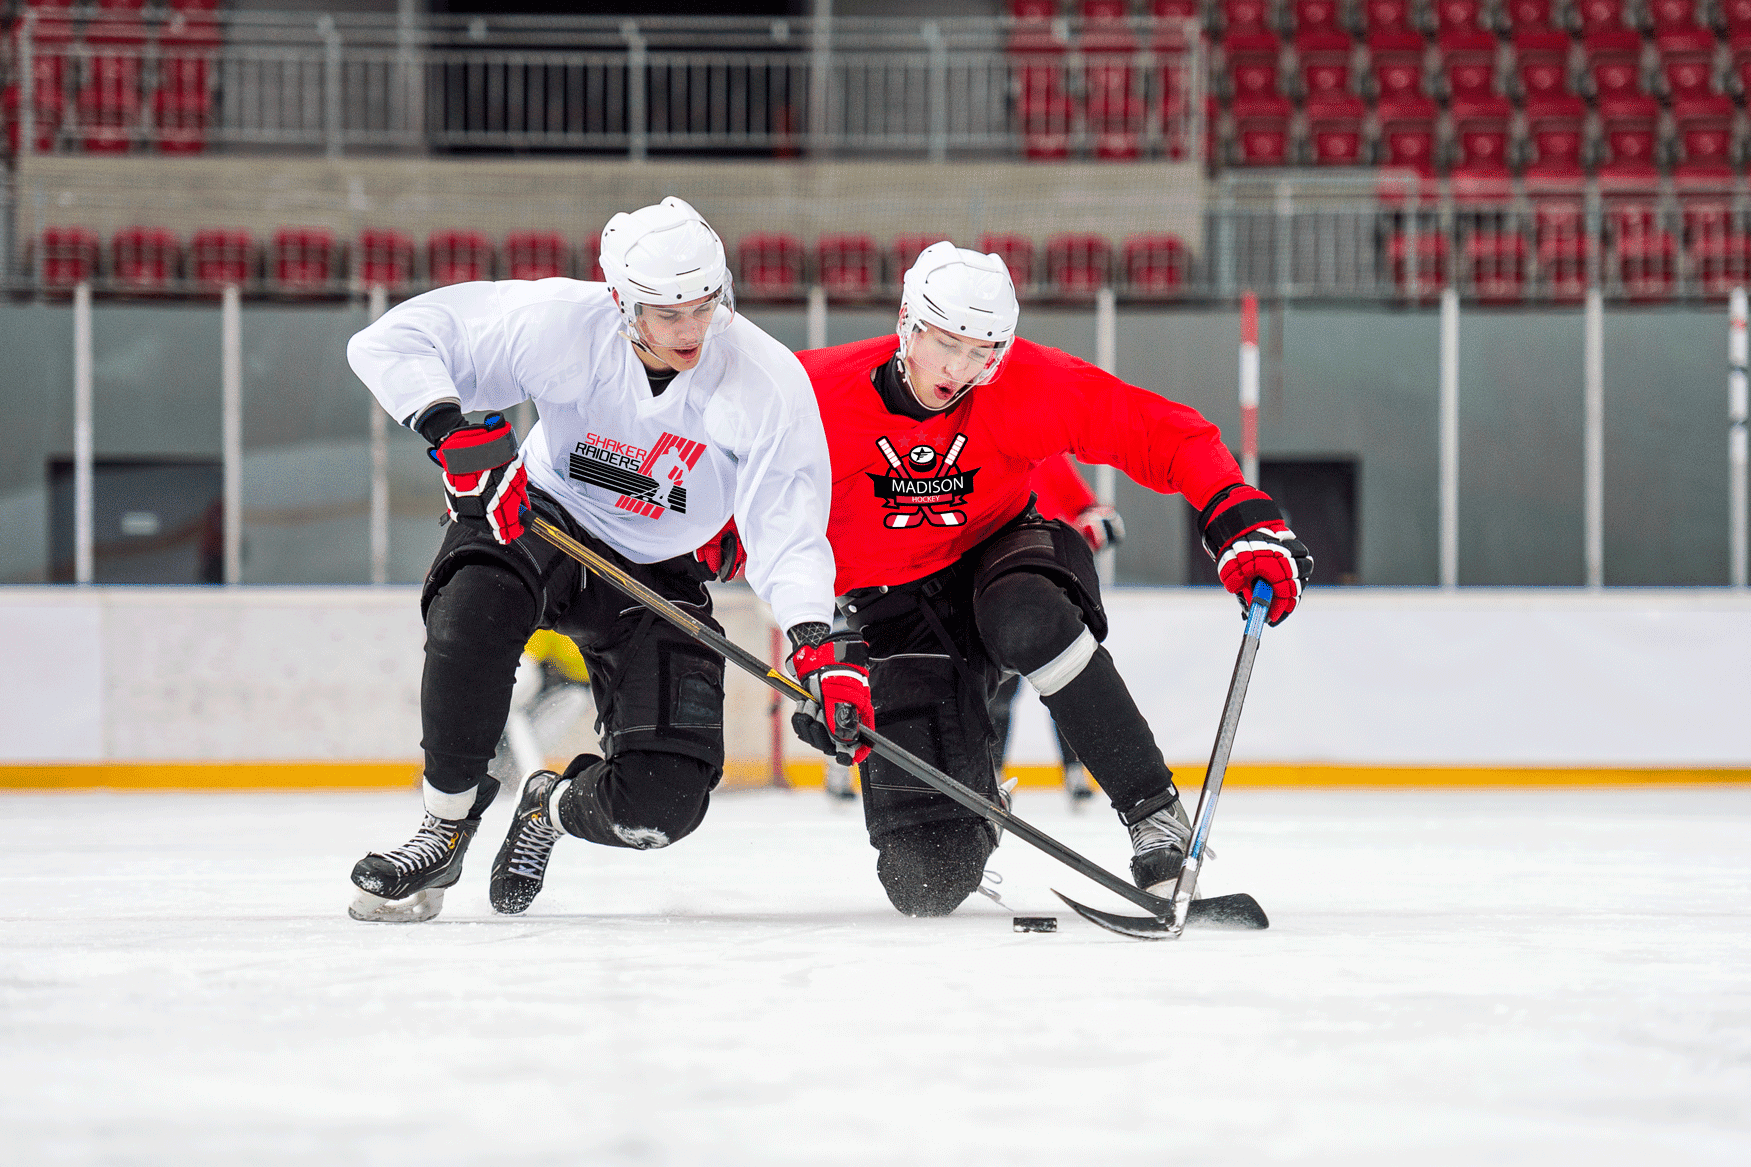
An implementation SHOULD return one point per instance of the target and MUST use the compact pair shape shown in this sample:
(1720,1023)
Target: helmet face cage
(665,255)
(911,327)
(723,311)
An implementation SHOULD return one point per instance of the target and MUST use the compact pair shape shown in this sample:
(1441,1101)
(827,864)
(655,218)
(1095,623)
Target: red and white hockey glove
(1101,525)
(835,669)
(723,557)
(484,479)
(1245,534)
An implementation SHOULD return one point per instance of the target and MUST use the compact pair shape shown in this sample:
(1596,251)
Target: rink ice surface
(1494,977)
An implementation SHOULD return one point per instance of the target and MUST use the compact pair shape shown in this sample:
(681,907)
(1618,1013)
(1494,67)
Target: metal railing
(97,80)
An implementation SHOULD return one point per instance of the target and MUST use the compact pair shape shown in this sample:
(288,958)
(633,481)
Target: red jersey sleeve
(1056,403)
(1060,489)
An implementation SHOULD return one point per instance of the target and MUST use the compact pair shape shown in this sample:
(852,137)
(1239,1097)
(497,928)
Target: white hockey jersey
(653,476)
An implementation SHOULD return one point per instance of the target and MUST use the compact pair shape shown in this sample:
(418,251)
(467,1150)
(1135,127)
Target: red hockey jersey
(911,497)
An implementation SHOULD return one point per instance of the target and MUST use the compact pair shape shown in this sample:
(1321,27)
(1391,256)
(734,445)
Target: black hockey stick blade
(1231,911)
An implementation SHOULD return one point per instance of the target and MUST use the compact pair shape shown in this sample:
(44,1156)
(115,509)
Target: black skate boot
(521,865)
(406,884)
(1159,835)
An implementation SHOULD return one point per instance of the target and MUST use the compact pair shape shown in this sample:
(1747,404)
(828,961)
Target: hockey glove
(835,670)
(1101,526)
(1245,534)
(484,479)
(723,557)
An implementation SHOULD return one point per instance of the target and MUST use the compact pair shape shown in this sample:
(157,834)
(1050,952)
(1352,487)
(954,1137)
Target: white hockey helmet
(963,293)
(666,254)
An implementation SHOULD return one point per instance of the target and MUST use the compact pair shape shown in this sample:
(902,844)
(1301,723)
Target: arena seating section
(1506,109)
(769,266)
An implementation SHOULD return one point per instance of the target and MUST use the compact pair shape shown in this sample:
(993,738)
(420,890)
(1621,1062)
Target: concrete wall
(1359,677)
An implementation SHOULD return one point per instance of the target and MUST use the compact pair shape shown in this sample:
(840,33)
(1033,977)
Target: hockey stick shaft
(1187,885)
(911,763)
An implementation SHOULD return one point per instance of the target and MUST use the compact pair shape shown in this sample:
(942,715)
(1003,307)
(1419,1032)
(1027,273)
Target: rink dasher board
(133,686)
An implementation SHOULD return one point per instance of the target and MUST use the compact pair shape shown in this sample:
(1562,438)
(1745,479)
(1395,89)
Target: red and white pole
(1249,388)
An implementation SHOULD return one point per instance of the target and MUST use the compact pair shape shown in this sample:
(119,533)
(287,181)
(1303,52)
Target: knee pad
(929,869)
(640,800)
(482,603)
(1028,622)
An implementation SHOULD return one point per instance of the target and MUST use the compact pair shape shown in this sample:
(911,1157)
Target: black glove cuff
(439,422)
(1222,529)
(809,632)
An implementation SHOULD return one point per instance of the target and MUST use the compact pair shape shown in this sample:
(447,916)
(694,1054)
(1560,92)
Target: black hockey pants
(1025,601)
(659,695)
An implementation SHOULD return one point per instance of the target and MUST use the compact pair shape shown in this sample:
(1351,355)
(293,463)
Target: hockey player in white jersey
(669,425)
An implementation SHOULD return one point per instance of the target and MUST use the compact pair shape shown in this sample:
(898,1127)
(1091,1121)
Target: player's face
(939,364)
(676,334)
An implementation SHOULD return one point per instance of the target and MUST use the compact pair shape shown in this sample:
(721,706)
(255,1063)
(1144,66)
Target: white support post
(1106,355)
(1593,438)
(379,466)
(1449,491)
(1738,349)
(820,78)
(817,317)
(1249,388)
(231,426)
(84,504)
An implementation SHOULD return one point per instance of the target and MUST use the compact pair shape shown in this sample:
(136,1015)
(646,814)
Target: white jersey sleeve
(450,342)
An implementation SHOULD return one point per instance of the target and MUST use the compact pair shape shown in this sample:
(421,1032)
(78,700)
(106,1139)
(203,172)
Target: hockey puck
(1036,923)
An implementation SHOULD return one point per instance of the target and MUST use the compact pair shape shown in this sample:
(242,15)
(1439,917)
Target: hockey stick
(1218,910)
(1242,910)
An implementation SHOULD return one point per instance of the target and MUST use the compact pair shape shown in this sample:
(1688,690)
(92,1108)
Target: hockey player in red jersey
(955,580)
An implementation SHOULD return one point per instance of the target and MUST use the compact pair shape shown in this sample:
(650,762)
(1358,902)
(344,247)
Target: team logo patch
(648,481)
(925,487)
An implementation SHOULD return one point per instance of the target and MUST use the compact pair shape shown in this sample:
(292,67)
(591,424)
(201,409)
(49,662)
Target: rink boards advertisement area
(296,688)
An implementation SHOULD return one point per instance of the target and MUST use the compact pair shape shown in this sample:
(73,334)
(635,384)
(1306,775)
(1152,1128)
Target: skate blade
(416,908)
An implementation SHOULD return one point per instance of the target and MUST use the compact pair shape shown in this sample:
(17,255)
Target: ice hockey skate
(521,865)
(406,885)
(1158,843)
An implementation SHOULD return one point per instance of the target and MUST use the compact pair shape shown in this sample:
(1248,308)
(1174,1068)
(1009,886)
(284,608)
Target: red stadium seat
(1646,254)
(1078,265)
(1106,11)
(1630,128)
(1470,71)
(1672,16)
(1427,274)
(1397,74)
(1459,24)
(1245,18)
(1480,131)
(1017,253)
(1525,16)
(1720,253)
(1557,133)
(1261,131)
(1253,69)
(850,265)
(1388,18)
(1407,134)
(108,107)
(771,266)
(1495,263)
(1115,107)
(1046,123)
(1318,16)
(1560,238)
(1335,130)
(1601,18)
(145,258)
(385,259)
(536,255)
(69,256)
(1155,265)
(221,256)
(1323,61)
(1541,68)
(1703,128)
(181,121)
(304,259)
(458,257)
